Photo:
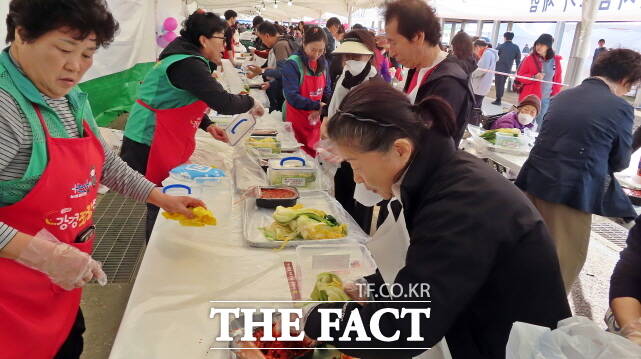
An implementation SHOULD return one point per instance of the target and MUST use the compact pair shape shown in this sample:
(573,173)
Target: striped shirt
(16,146)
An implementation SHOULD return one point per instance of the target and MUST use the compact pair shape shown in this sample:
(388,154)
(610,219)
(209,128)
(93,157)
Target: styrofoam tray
(254,218)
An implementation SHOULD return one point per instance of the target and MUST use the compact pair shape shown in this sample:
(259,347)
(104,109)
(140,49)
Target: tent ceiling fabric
(299,9)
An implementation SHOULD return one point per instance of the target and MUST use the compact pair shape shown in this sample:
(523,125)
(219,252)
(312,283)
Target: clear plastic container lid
(348,261)
(511,141)
(240,127)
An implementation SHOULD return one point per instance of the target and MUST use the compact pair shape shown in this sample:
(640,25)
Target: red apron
(174,138)
(306,133)
(36,315)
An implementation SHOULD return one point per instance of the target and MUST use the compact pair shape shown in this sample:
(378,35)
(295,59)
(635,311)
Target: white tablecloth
(184,268)
(167,315)
(515,162)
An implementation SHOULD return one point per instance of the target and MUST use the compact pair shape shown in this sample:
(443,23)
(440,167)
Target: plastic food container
(191,172)
(265,145)
(272,197)
(348,261)
(197,177)
(510,141)
(256,349)
(291,171)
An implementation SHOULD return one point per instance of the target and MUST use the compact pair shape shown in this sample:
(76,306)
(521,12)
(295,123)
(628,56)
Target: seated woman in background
(523,117)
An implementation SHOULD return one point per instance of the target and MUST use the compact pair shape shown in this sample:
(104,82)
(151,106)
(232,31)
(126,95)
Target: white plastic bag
(211,152)
(575,338)
(247,171)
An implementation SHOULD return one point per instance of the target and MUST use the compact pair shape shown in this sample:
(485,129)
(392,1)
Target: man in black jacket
(281,47)
(586,137)
(331,31)
(414,33)
(599,50)
(258,43)
(508,53)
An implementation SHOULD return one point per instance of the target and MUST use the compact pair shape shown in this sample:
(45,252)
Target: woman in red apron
(307,88)
(49,176)
(172,100)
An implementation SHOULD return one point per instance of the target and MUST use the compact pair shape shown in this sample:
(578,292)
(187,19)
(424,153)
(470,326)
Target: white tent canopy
(535,10)
(298,9)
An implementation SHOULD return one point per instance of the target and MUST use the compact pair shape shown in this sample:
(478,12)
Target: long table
(514,162)
(510,165)
(184,268)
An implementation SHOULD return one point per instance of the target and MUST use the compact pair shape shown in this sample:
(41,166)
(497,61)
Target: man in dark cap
(508,54)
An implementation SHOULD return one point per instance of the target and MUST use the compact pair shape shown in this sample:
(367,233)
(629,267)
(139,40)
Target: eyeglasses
(218,37)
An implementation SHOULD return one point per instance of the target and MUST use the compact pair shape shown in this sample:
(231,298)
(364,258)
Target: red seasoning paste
(277,193)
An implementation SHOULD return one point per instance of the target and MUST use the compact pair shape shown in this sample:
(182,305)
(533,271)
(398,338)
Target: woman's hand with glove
(174,204)
(258,110)
(65,265)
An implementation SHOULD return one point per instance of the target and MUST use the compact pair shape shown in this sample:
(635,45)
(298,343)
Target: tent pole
(581,43)
(558,36)
(185,8)
(452,31)
(495,33)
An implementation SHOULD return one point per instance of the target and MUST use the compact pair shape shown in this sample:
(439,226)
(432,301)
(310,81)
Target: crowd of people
(461,79)
(397,148)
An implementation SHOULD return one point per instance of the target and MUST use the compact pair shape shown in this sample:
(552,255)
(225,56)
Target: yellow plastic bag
(203,217)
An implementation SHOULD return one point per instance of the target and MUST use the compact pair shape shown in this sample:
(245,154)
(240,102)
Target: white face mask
(366,197)
(525,119)
(355,67)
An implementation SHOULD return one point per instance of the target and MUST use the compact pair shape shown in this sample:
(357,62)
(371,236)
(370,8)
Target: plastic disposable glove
(327,152)
(258,110)
(218,133)
(314,118)
(65,265)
